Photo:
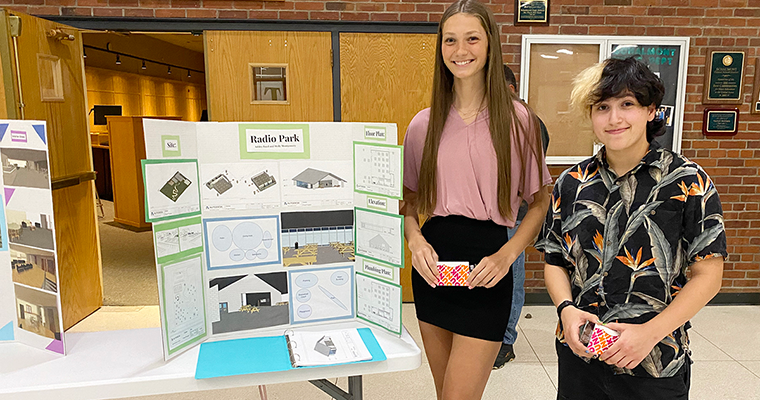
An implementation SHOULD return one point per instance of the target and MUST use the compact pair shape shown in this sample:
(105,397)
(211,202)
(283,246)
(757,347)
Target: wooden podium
(127,147)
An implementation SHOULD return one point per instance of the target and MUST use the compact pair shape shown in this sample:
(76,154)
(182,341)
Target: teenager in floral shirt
(622,229)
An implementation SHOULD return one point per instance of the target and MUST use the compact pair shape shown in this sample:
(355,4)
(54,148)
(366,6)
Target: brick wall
(732,162)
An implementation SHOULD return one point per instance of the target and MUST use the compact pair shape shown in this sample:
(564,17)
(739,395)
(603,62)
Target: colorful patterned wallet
(453,273)
(601,339)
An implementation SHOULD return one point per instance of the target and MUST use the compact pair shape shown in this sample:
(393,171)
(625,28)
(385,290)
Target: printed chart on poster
(241,186)
(378,302)
(378,169)
(321,294)
(184,303)
(242,242)
(379,236)
(171,189)
(30,312)
(257,225)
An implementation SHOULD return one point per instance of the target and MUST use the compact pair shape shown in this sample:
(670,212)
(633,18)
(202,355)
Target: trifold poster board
(260,225)
(30,303)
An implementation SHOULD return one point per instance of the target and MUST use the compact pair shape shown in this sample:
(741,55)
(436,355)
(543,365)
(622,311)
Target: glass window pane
(552,70)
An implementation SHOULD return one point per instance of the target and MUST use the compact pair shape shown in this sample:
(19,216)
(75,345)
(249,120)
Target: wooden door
(386,78)
(230,56)
(51,72)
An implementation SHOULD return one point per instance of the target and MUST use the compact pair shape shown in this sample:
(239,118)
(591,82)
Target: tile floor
(725,341)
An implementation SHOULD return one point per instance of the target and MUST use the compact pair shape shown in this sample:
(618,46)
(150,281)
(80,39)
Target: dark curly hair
(632,76)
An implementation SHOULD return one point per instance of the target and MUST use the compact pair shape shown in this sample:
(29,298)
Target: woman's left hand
(491,269)
(634,344)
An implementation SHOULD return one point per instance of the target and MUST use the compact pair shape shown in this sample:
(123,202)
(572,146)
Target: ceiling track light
(169,70)
(188,73)
(118,60)
(143,65)
(84,53)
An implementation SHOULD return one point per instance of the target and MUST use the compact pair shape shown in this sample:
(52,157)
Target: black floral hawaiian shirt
(627,241)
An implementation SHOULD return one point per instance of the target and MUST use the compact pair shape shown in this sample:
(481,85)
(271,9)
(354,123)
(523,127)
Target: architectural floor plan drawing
(242,242)
(379,302)
(183,302)
(378,169)
(379,236)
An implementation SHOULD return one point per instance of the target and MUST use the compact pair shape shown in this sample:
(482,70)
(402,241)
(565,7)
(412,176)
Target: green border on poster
(383,264)
(170,153)
(400,304)
(143,163)
(163,315)
(245,155)
(401,229)
(400,172)
(380,128)
(159,227)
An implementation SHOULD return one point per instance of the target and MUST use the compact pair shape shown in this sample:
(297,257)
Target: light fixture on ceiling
(143,65)
(188,73)
(84,53)
(169,70)
(549,57)
(118,60)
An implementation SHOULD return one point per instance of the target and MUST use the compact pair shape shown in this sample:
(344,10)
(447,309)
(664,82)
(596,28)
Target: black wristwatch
(561,306)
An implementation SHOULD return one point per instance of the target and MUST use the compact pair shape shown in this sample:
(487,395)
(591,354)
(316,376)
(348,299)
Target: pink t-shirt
(466,176)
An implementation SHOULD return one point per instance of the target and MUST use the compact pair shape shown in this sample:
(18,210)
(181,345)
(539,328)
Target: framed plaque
(724,77)
(532,12)
(754,105)
(720,121)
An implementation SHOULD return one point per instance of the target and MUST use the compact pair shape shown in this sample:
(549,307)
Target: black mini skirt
(479,312)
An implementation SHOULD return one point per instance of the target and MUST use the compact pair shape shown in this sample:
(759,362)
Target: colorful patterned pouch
(453,273)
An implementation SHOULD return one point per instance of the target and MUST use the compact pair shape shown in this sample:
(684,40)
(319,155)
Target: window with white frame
(549,63)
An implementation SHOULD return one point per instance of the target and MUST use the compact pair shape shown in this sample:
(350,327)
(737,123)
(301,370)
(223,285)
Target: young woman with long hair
(469,161)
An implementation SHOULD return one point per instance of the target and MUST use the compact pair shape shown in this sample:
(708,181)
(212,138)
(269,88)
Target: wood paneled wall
(143,95)
(388,78)
(309,80)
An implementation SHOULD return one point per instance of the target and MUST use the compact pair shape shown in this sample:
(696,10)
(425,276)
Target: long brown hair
(501,110)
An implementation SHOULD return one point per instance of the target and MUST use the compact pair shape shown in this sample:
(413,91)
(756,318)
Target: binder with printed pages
(272,354)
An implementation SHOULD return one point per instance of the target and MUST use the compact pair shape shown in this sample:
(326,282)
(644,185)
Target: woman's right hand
(572,321)
(424,259)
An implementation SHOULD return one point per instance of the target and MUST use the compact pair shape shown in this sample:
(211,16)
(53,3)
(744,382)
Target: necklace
(465,115)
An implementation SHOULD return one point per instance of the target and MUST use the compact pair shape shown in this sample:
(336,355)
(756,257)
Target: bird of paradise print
(635,263)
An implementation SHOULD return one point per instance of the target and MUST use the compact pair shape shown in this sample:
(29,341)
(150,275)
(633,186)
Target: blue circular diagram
(304,311)
(251,254)
(268,239)
(339,278)
(237,255)
(221,237)
(263,253)
(303,295)
(247,235)
(306,280)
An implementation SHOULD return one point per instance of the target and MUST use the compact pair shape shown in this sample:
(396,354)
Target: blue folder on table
(260,354)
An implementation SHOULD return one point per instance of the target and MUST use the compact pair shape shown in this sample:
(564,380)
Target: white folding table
(127,363)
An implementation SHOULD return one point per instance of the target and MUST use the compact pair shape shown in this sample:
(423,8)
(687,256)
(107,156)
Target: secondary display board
(257,224)
(30,302)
